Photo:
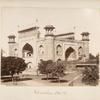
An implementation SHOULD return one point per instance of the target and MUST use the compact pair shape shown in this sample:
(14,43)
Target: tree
(12,65)
(52,69)
(97,59)
(91,56)
(56,69)
(91,75)
(42,66)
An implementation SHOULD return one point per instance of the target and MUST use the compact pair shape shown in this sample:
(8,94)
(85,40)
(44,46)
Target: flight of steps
(70,65)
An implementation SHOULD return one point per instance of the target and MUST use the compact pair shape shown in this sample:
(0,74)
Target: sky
(64,20)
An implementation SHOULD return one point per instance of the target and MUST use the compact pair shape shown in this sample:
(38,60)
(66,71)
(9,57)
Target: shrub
(91,75)
(52,69)
(56,69)
(42,66)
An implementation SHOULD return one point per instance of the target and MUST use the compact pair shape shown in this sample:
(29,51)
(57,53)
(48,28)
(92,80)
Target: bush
(43,65)
(52,69)
(91,75)
(56,69)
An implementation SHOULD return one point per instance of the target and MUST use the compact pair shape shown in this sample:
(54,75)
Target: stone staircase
(70,65)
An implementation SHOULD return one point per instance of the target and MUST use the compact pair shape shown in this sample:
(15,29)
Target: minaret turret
(49,42)
(11,38)
(11,45)
(85,36)
(85,39)
(49,30)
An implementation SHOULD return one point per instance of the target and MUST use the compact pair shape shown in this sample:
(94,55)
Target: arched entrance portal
(27,50)
(70,54)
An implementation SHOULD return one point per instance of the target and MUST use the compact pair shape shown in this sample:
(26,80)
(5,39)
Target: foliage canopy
(12,65)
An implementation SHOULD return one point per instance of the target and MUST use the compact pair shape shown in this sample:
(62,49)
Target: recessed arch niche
(27,50)
(59,50)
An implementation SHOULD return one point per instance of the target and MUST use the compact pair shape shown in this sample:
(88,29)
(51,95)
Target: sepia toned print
(39,55)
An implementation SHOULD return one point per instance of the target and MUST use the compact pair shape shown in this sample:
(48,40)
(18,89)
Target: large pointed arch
(27,50)
(70,54)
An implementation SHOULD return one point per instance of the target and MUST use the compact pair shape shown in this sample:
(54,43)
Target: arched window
(41,50)
(27,50)
(80,52)
(59,50)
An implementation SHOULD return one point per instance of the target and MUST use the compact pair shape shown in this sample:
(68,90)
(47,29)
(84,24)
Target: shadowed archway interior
(27,50)
(70,54)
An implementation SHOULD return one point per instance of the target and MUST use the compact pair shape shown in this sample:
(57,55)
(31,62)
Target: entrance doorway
(70,54)
(27,50)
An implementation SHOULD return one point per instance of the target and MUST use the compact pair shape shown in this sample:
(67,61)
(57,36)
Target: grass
(41,80)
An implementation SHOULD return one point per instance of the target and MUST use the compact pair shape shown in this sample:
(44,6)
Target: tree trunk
(47,76)
(59,79)
(37,72)
(12,78)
